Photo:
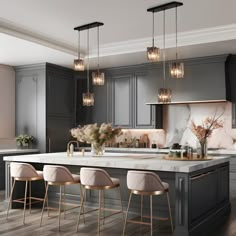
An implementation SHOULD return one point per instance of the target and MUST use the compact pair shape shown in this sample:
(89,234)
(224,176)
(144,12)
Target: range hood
(207,80)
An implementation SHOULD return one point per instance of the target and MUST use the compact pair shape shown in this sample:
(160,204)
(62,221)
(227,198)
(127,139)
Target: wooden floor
(112,227)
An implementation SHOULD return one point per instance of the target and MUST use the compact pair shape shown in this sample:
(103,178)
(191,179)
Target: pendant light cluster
(176,68)
(98,77)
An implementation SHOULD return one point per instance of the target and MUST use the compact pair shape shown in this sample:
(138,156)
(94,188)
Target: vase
(97,149)
(202,148)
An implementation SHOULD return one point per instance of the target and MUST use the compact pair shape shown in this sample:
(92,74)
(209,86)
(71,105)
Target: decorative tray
(186,159)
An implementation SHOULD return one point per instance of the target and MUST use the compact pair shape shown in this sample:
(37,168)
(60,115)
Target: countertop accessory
(171,158)
(205,130)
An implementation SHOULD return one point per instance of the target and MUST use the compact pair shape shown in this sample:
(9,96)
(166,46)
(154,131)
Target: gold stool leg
(46,195)
(44,201)
(171,222)
(141,208)
(121,207)
(80,210)
(30,197)
(64,201)
(10,199)
(103,206)
(130,196)
(151,213)
(81,196)
(26,186)
(99,211)
(59,215)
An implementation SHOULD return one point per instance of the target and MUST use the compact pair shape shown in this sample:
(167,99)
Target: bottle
(137,143)
(71,149)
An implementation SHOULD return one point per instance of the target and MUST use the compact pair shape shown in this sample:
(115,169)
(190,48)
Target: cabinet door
(60,92)
(122,101)
(144,90)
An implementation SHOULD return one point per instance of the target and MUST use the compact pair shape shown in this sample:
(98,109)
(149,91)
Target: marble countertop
(17,151)
(150,161)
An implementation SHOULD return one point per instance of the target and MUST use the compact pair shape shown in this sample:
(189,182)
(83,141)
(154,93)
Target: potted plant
(24,140)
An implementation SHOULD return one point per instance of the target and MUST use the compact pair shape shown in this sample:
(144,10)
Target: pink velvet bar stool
(26,173)
(146,183)
(100,180)
(55,175)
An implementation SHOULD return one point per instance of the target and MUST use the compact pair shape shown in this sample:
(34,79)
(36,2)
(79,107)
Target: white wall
(7,104)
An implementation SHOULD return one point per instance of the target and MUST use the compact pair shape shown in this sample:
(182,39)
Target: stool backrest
(95,177)
(53,173)
(22,170)
(144,181)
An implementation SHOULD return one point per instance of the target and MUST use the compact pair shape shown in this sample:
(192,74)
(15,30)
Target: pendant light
(153,53)
(79,63)
(88,98)
(164,94)
(98,77)
(176,68)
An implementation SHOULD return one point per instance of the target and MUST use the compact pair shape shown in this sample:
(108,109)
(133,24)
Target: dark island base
(199,200)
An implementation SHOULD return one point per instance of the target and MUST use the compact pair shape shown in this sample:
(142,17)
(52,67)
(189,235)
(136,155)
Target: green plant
(24,140)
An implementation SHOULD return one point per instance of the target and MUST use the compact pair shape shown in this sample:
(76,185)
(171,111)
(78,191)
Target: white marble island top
(153,162)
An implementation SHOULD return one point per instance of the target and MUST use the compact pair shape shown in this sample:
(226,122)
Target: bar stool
(146,183)
(99,179)
(58,176)
(27,173)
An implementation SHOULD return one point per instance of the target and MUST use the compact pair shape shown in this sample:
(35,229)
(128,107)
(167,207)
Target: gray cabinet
(45,104)
(121,100)
(127,94)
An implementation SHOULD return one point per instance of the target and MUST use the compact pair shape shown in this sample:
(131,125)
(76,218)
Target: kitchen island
(199,190)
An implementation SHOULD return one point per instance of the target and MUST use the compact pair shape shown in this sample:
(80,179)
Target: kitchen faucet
(69,150)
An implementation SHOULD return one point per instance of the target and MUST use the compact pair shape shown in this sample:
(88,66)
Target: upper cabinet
(7,102)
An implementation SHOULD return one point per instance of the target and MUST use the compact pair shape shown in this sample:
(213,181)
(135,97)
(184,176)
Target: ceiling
(42,31)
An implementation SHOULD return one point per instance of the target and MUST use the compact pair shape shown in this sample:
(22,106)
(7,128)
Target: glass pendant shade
(88,99)
(153,54)
(98,78)
(164,95)
(79,65)
(177,70)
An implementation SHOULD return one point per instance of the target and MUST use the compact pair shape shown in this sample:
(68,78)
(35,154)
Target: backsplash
(177,121)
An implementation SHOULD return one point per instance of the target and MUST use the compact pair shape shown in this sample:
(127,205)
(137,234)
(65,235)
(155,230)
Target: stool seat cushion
(145,181)
(54,173)
(22,170)
(115,181)
(40,173)
(96,177)
(76,178)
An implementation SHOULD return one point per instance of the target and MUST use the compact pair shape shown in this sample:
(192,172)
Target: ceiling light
(153,53)
(88,98)
(79,63)
(164,94)
(176,68)
(98,77)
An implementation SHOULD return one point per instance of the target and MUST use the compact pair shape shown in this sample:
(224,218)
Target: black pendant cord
(98,48)
(164,48)
(88,61)
(78,44)
(176,34)
(153,22)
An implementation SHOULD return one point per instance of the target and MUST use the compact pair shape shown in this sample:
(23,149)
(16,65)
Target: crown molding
(187,38)
(12,29)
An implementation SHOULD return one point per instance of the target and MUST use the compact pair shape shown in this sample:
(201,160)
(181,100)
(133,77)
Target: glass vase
(97,149)
(202,148)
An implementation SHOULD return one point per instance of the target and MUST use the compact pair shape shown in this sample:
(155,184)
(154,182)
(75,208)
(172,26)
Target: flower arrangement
(24,140)
(205,130)
(96,134)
